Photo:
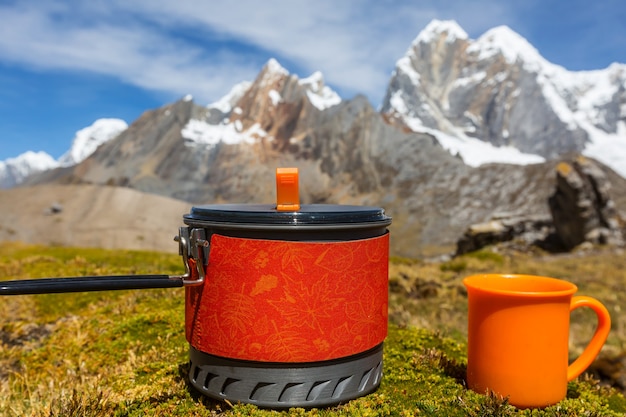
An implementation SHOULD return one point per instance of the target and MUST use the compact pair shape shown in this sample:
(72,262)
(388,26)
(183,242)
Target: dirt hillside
(90,216)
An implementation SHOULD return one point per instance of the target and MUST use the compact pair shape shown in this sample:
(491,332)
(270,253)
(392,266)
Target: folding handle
(193,242)
(88,283)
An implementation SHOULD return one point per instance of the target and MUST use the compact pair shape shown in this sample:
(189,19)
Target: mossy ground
(123,353)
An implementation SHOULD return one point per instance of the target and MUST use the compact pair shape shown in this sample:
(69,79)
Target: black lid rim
(286,227)
(266,214)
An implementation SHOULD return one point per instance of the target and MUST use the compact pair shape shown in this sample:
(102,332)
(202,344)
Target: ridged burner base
(283,385)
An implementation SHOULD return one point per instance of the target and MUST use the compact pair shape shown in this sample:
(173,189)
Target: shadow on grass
(450,367)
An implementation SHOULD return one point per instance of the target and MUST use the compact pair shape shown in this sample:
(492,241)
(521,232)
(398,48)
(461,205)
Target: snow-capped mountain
(14,171)
(182,149)
(87,140)
(499,90)
(491,99)
(347,153)
(223,123)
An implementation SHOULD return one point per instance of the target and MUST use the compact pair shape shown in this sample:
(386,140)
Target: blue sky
(64,64)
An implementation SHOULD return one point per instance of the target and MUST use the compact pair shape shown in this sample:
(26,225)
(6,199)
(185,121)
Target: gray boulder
(581,207)
(581,210)
(505,227)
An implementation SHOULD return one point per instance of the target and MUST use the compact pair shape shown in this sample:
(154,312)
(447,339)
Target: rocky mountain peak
(504,41)
(279,86)
(271,71)
(272,98)
(437,30)
(499,90)
(420,84)
(89,138)
(277,101)
(13,171)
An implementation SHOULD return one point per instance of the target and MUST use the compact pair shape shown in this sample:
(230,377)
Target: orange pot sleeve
(286,301)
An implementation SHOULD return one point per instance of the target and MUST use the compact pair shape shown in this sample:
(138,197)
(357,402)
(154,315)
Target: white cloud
(206,47)
(53,38)
(355,44)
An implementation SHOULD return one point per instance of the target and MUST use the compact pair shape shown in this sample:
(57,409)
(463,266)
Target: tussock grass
(123,353)
(432,296)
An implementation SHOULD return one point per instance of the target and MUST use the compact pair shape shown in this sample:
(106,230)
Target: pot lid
(287,212)
(308,214)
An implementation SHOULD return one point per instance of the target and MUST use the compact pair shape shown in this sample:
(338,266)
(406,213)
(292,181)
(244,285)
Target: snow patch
(476,152)
(323,100)
(404,66)
(320,95)
(473,79)
(396,102)
(238,125)
(275,97)
(199,132)
(226,103)
(610,149)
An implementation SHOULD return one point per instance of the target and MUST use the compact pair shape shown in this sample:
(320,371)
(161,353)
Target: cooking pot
(285,305)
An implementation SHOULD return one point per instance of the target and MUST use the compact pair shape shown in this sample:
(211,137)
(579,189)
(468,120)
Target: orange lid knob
(287,197)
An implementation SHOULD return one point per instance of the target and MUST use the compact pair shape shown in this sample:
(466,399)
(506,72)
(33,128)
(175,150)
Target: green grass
(124,353)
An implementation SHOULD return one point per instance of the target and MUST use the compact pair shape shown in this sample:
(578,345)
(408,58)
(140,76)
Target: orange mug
(518,335)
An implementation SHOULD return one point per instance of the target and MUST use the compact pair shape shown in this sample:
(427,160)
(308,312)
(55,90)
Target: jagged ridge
(347,152)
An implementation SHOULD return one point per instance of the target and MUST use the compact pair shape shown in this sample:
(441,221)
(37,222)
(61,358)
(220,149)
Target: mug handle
(597,341)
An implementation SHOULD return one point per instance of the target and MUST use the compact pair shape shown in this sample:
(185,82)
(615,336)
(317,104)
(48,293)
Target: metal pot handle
(87,283)
(194,246)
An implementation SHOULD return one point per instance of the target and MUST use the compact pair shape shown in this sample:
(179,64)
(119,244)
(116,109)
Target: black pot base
(284,385)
